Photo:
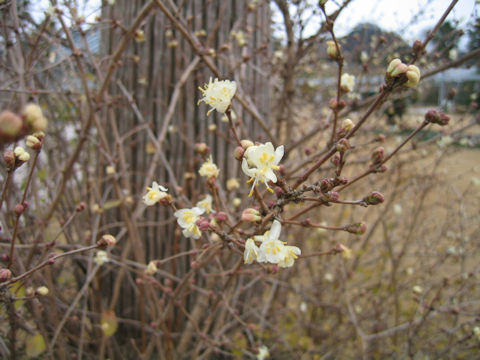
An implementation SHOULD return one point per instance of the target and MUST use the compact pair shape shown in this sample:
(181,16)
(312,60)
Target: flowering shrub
(289,223)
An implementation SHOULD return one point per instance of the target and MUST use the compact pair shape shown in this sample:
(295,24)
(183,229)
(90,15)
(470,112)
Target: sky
(394,15)
(391,15)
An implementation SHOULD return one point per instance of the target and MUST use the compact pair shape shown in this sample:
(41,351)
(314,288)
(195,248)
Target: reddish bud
(278,191)
(343,145)
(202,148)
(356,228)
(378,154)
(417,46)
(10,126)
(333,196)
(5,275)
(374,198)
(435,117)
(19,209)
(80,207)
(380,138)
(326,185)
(238,152)
(221,216)
(9,157)
(203,224)
(335,159)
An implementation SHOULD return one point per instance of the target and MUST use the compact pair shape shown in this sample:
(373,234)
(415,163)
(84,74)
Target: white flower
(263,353)
(453,54)
(303,307)
(101,257)
(445,141)
(151,268)
(363,57)
(21,154)
(328,277)
(290,254)
(263,159)
(397,209)
(417,289)
(232,184)
(251,251)
(206,204)
(209,169)
(218,94)
(347,125)
(347,82)
(154,194)
(187,219)
(272,250)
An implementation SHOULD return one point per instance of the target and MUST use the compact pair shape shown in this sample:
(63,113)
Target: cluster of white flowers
(187,219)
(271,249)
(155,194)
(259,162)
(218,94)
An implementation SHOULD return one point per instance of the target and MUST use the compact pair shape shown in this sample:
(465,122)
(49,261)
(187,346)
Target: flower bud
(10,125)
(343,145)
(378,154)
(221,216)
(251,215)
(139,36)
(335,159)
(435,117)
(151,268)
(337,105)
(19,209)
(347,125)
(202,148)
(232,184)
(9,158)
(21,155)
(374,198)
(332,50)
(203,224)
(356,228)
(347,82)
(80,207)
(107,240)
(413,75)
(332,196)
(417,46)
(33,142)
(42,291)
(396,67)
(31,112)
(344,250)
(34,117)
(236,202)
(246,143)
(5,275)
(326,185)
(238,152)
(380,138)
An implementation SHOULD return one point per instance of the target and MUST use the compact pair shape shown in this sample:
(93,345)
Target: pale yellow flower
(218,94)
(154,194)
(209,169)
